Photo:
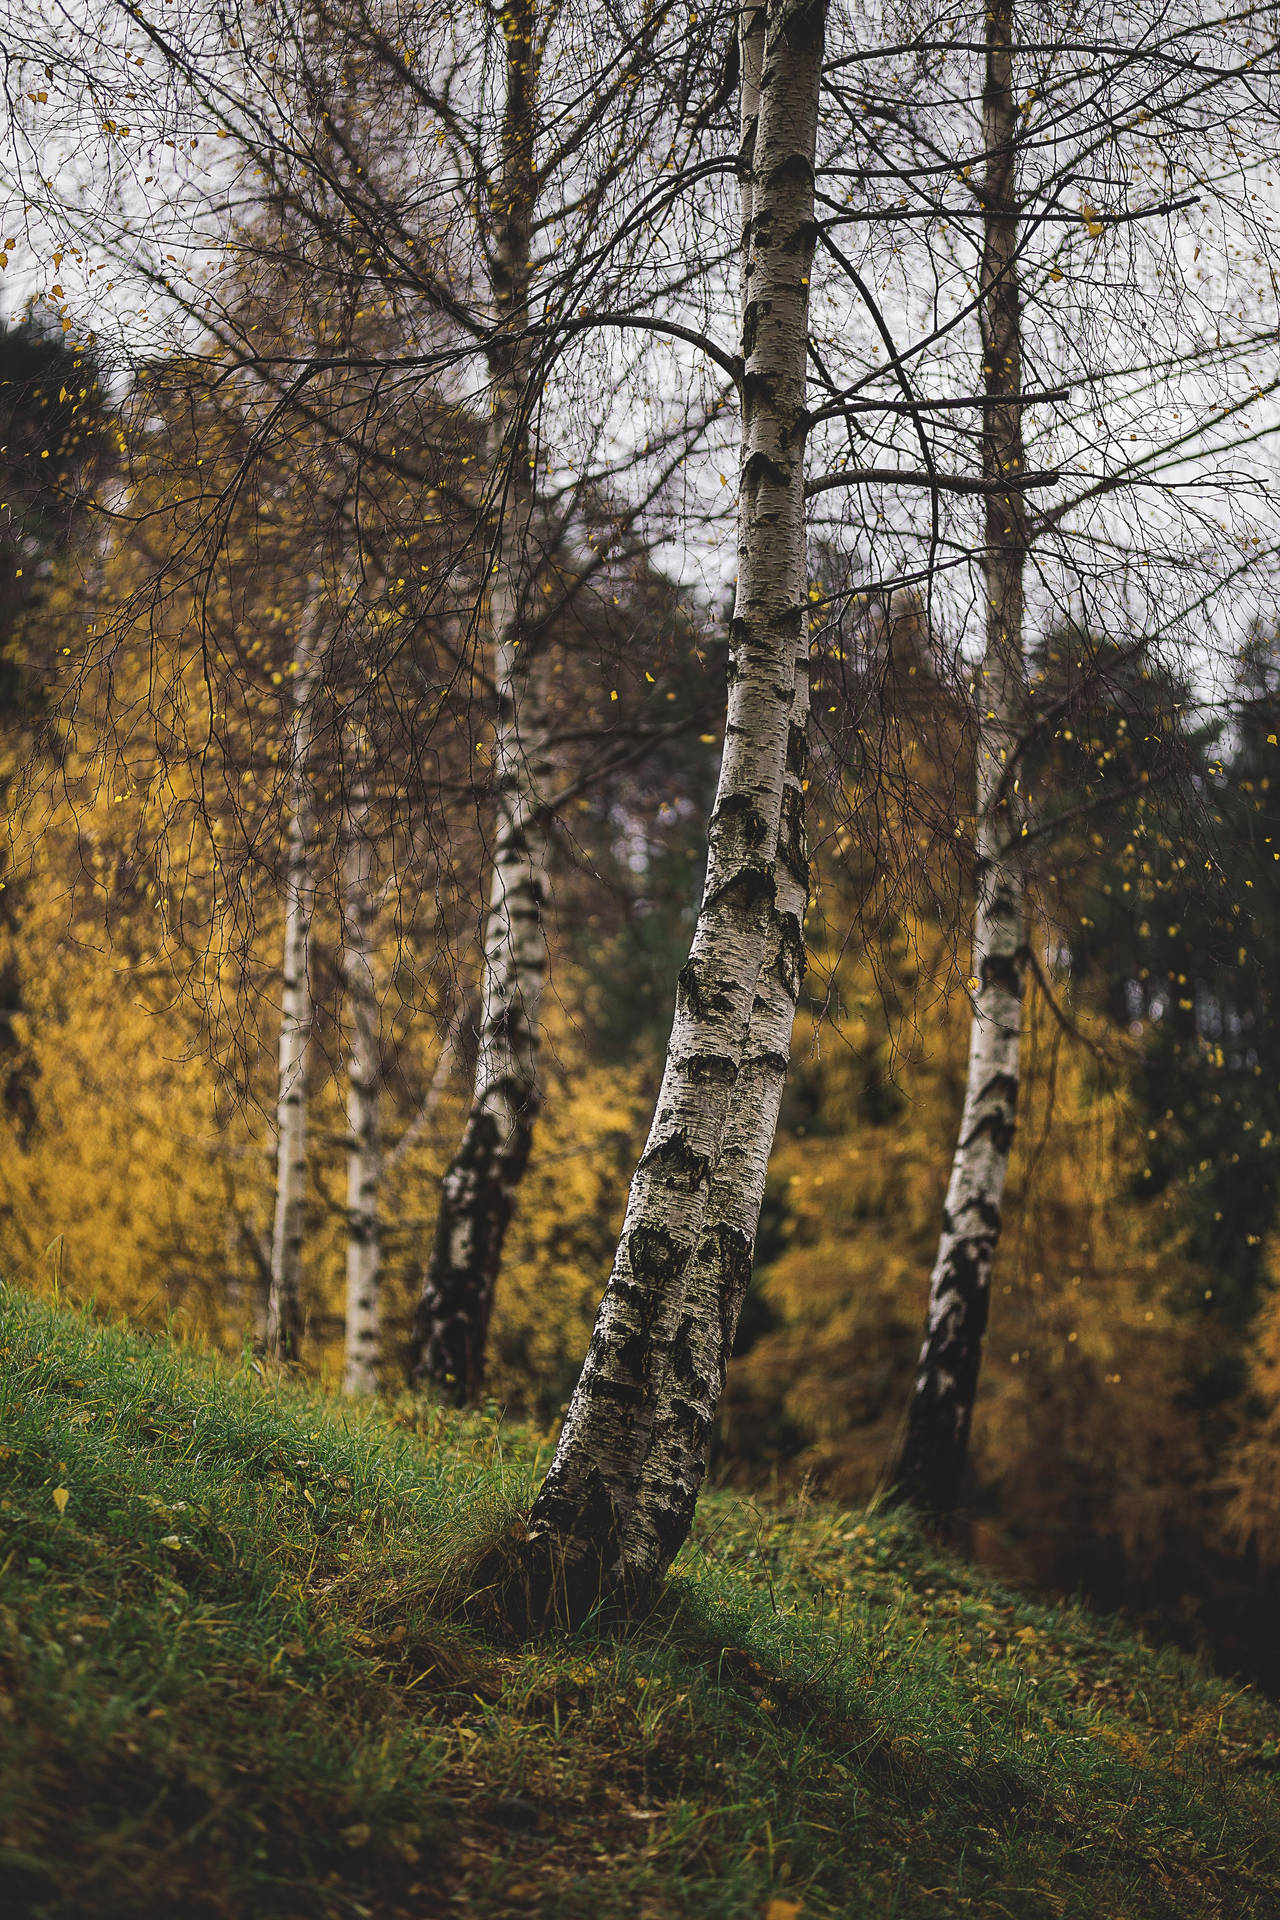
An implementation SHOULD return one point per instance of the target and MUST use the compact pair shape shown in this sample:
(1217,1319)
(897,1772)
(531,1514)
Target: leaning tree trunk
(716,1282)
(364,1081)
(478,1192)
(592,1528)
(284,1296)
(719,1273)
(937,1434)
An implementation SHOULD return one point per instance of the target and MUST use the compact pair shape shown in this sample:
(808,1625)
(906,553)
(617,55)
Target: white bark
(284,1298)
(716,1282)
(936,1443)
(479,1189)
(581,1520)
(717,1277)
(364,1079)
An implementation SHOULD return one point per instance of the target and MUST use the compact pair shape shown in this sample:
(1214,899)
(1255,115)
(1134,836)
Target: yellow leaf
(356,1836)
(60,1498)
(782,1910)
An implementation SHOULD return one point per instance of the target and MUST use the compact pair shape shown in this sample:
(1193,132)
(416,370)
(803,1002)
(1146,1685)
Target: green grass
(227,1688)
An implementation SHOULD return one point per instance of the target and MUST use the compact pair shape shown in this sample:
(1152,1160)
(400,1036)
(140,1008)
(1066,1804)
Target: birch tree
(364,1077)
(478,1190)
(284,1298)
(595,1523)
(942,1399)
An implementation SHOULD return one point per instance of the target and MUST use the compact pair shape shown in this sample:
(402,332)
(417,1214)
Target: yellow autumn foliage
(126,1178)
(1078,1435)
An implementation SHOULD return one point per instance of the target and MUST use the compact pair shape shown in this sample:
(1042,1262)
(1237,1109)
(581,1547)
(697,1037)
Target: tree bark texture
(479,1189)
(364,1079)
(719,1272)
(940,1414)
(284,1296)
(586,1532)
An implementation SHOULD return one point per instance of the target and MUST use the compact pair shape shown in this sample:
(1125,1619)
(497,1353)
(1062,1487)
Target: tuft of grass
(241,1677)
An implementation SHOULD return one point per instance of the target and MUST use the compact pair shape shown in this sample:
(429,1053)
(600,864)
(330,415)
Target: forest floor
(228,1688)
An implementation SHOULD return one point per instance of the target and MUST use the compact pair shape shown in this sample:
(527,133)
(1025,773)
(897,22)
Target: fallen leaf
(357,1836)
(782,1910)
(60,1498)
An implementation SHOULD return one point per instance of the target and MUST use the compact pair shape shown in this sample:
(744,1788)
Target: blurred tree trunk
(360,1374)
(478,1192)
(284,1297)
(935,1447)
(598,1523)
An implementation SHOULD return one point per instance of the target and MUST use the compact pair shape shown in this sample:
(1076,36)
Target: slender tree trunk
(364,1079)
(716,1283)
(719,1273)
(939,1417)
(284,1298)
(585,1531)
(478,1192)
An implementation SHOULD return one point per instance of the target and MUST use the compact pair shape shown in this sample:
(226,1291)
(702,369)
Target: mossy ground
(232,1687)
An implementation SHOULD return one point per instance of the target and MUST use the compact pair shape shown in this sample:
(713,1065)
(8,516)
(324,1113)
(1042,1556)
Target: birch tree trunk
(587,1532)
(360,1364)
(716,1283)
(478,1192)
(938,1422)
(284,1296)
(719,1273)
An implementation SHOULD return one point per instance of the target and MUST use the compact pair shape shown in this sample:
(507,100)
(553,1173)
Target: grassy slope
(224,1690)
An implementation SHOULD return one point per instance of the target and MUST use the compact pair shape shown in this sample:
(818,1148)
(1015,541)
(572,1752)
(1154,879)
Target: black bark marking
(751,885)
(759,470)
(708,1069)
(477,1199)
(633,1353)
(987,1216)
(795,170)
(1004,970)
(737,811)
(655,1255)
(934,1451)
(999,1127)
(736,1253)
(676,1164)
(682,1365)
